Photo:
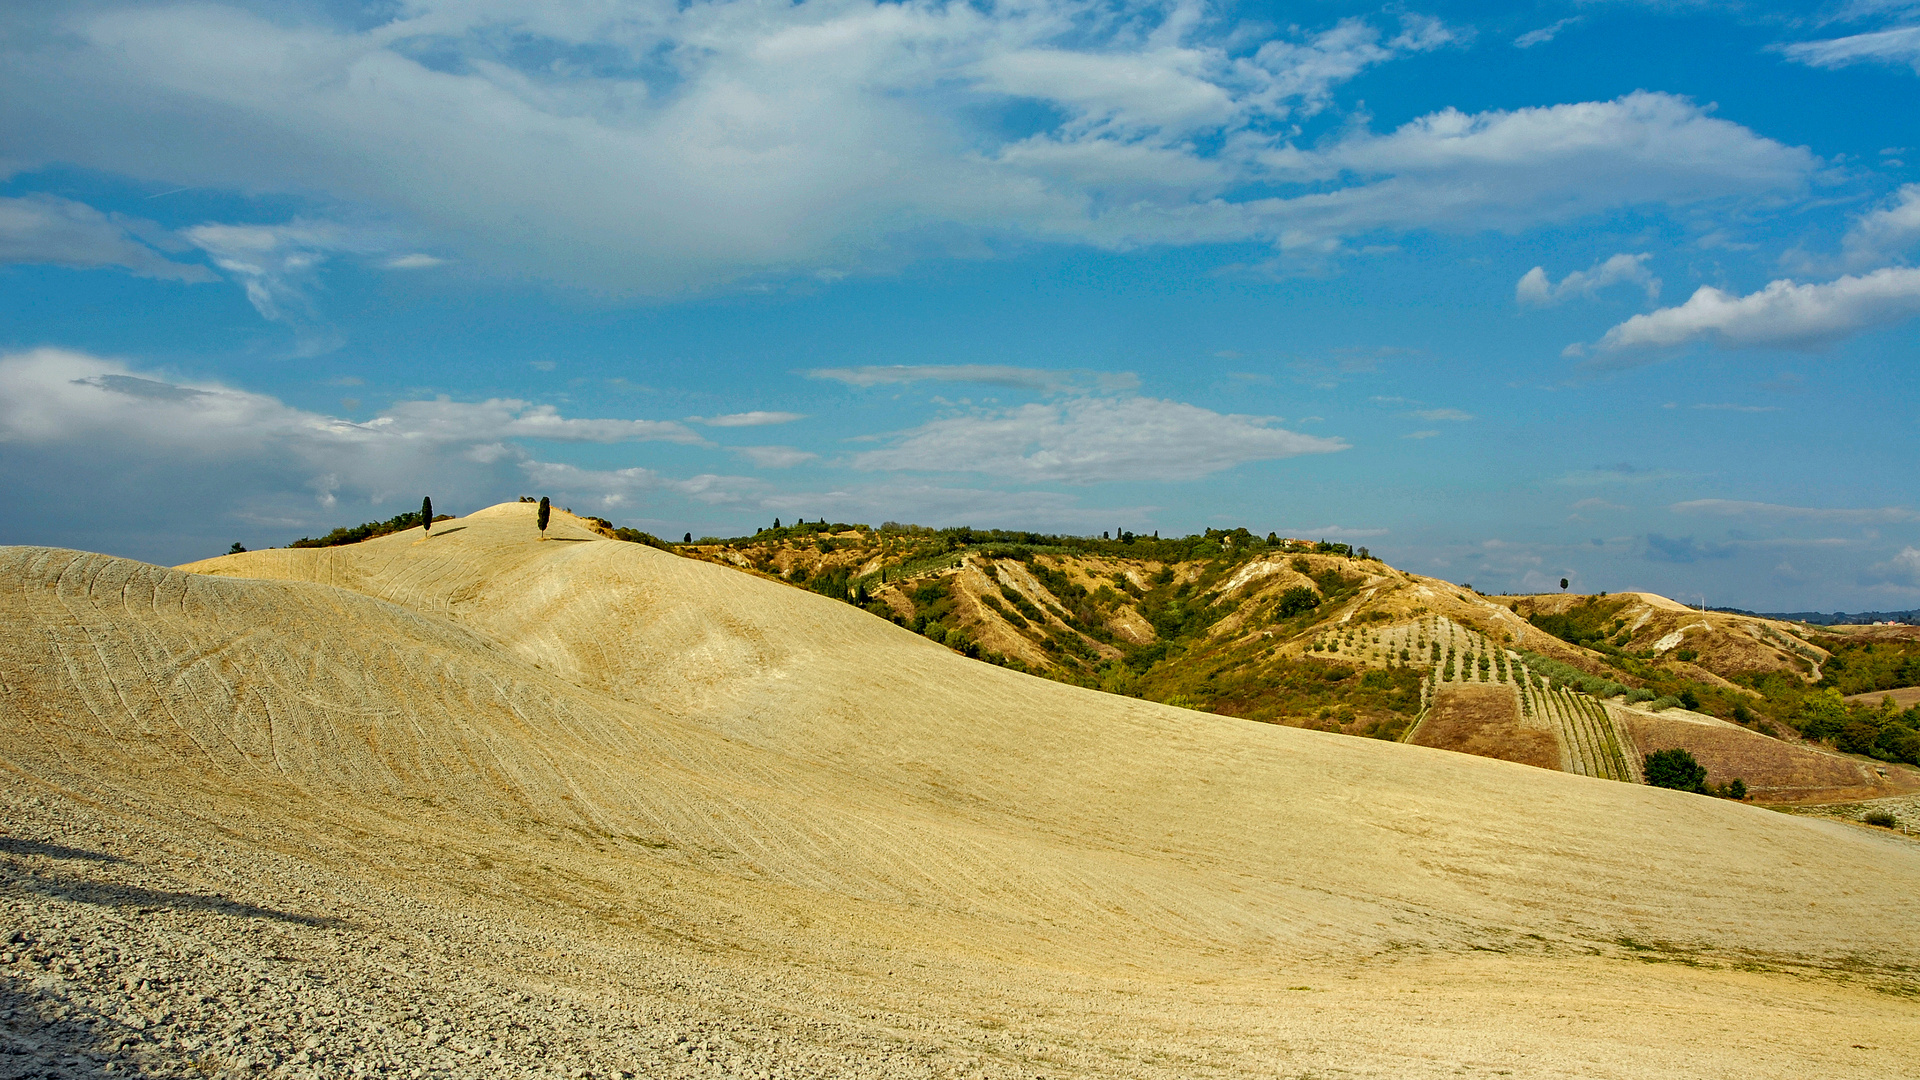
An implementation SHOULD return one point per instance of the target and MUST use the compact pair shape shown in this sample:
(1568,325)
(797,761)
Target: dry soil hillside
(480,804)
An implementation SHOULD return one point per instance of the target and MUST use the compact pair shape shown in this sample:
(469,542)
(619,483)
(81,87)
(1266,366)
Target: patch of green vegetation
(1861,667)
(353,534)
(1589,623)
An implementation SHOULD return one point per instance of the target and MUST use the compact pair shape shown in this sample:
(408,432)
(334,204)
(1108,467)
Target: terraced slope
(651,784)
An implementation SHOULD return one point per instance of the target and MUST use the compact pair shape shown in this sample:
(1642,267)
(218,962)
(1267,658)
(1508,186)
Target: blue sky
(1623,293)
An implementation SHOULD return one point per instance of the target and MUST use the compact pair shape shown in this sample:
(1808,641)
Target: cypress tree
(426,514)
(546,511)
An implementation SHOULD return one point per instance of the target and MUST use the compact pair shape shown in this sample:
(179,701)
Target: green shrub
(1640,694)
(1737,789)
(1296,601)
(1675,769)
(1667,701)
(1881,818)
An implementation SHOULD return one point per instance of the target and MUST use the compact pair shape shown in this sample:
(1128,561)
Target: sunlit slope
(835,752)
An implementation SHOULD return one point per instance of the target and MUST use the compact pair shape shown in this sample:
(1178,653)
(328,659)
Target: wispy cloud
(1093,439)
(1441,414)
(46,229)
(1735,407)
(757,418)
(1621,473)
(1045,379)
(1775,511)
(775,457)
(1900,45)
(1543,35)
(414,261)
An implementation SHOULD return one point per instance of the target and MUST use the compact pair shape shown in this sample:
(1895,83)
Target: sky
(1622,293)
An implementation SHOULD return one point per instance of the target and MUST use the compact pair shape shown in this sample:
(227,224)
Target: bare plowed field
(1774,771)
(1485,720)
(485,805)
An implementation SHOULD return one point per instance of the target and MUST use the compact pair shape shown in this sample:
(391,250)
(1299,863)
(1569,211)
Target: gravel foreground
(123,953)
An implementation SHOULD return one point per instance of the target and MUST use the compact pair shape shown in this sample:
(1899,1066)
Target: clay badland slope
(695,785)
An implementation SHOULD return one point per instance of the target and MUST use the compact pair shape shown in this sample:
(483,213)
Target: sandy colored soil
(480,805)
(1904,698)
(1485,720)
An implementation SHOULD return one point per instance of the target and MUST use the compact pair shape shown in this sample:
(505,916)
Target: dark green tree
(426,514)
(688,540)
(236,548)
(1563,584)
(546,512)
(1675,769)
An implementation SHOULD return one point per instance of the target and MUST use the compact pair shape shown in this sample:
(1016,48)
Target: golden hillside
(656,789)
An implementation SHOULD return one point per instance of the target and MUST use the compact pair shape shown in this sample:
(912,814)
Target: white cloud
(442,420)
(1431,415)
(757,418)
(988,374)
(662,147)
(1900,45)
(1091,440)
(1537,289)
(1774,511)
(275,264)
(415,261)
(46,229)
(170,460)
(1735,407)
(1543,35)
(1782,315)
(1887,233)
(1903,570)
(1420,435)
(774,457)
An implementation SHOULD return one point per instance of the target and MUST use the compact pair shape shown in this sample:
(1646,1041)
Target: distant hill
(1837,618)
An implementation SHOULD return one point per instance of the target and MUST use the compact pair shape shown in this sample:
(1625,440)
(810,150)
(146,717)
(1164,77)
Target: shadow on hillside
(443,532)
(58,885)
(51,1037)
(13,845)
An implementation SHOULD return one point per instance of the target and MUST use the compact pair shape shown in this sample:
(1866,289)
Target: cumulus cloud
(1783,315)
(659,147)
(1888,232)
(1019,378)
(45,229)
(1900,45)
(1091,440)
(1537,289)
(1903,569)
(173,459)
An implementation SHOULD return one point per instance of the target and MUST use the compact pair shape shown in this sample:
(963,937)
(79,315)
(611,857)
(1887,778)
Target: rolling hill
(470,803)
(1318,635)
